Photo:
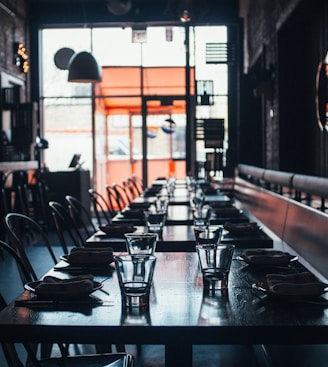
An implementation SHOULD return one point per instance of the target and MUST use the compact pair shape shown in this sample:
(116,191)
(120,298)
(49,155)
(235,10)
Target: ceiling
(102,11)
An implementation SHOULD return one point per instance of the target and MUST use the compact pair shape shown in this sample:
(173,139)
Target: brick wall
(13,28)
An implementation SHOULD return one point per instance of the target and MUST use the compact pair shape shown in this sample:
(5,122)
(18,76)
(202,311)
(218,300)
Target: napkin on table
(51,287)
(81,255)
(227,212)
(241,227)
(117,229)
(267,257)
(300,284)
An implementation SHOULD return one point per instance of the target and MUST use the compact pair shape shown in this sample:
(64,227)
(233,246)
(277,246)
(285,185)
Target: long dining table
(180,314)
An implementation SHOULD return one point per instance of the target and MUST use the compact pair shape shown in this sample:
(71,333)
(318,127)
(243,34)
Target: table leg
(178,354)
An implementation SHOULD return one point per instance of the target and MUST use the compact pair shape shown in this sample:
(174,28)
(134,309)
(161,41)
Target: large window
(67,107)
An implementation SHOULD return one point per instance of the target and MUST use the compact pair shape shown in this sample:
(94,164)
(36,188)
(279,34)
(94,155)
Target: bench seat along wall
(301,227)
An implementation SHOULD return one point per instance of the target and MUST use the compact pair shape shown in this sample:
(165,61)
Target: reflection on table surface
(181,238)
(178,311)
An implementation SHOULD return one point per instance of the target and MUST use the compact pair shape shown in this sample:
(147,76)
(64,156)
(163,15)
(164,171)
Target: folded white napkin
(301,284)
(55,288)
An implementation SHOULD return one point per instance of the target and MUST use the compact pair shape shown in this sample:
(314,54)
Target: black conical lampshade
(83,68)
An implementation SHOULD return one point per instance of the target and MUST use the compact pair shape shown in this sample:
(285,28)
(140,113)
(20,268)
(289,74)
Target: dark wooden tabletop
(181,238)
(179,316)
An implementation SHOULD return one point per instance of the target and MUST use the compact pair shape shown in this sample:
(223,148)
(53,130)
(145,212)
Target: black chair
(138,182)
(121,196)
(23,231)
(114,204)
(80,216)
(67,232)
(27,275)
(134,187)
(15,360)
(101,208)
(129,190)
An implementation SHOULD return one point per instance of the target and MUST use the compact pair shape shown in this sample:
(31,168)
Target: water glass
(215,261)
(135,276)
(202,216)
(155,222)
(208,234)
(141,243)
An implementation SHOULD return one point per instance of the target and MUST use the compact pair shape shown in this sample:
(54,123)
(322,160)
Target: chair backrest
(100,207)
(134,186)
(121,196)
(138,182)
(80,215)
(113,203)
(23,230)
(25,274)
(66,230)
(129,190)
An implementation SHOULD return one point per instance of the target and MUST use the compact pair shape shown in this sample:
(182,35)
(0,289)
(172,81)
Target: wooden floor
(151,355)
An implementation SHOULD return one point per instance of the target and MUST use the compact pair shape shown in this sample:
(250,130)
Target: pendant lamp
(83,68)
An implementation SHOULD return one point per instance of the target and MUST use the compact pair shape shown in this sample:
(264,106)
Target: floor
(151,355)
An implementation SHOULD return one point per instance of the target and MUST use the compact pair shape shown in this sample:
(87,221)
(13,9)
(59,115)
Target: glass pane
(68,131)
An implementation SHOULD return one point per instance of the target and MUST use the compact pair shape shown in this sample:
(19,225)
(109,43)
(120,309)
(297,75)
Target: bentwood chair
(134,187)
(138,183)
(101,208)
(67,232)
(114,204)
(23,231)
(27,275)
(15,359)
(121,196)
(129,190)
(80,216)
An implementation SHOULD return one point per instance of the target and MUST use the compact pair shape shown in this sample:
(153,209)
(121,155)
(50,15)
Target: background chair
(101,208)
(129,190)
(138,183)
(80,215)
(136,191)
(67,232)
(122,199)
(113,203)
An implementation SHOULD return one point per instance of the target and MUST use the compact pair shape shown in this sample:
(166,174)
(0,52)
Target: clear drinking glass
(135,276)
(215,261)
(141,243)
(208,234)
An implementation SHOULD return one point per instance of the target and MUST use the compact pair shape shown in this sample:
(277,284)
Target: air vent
(220,53)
